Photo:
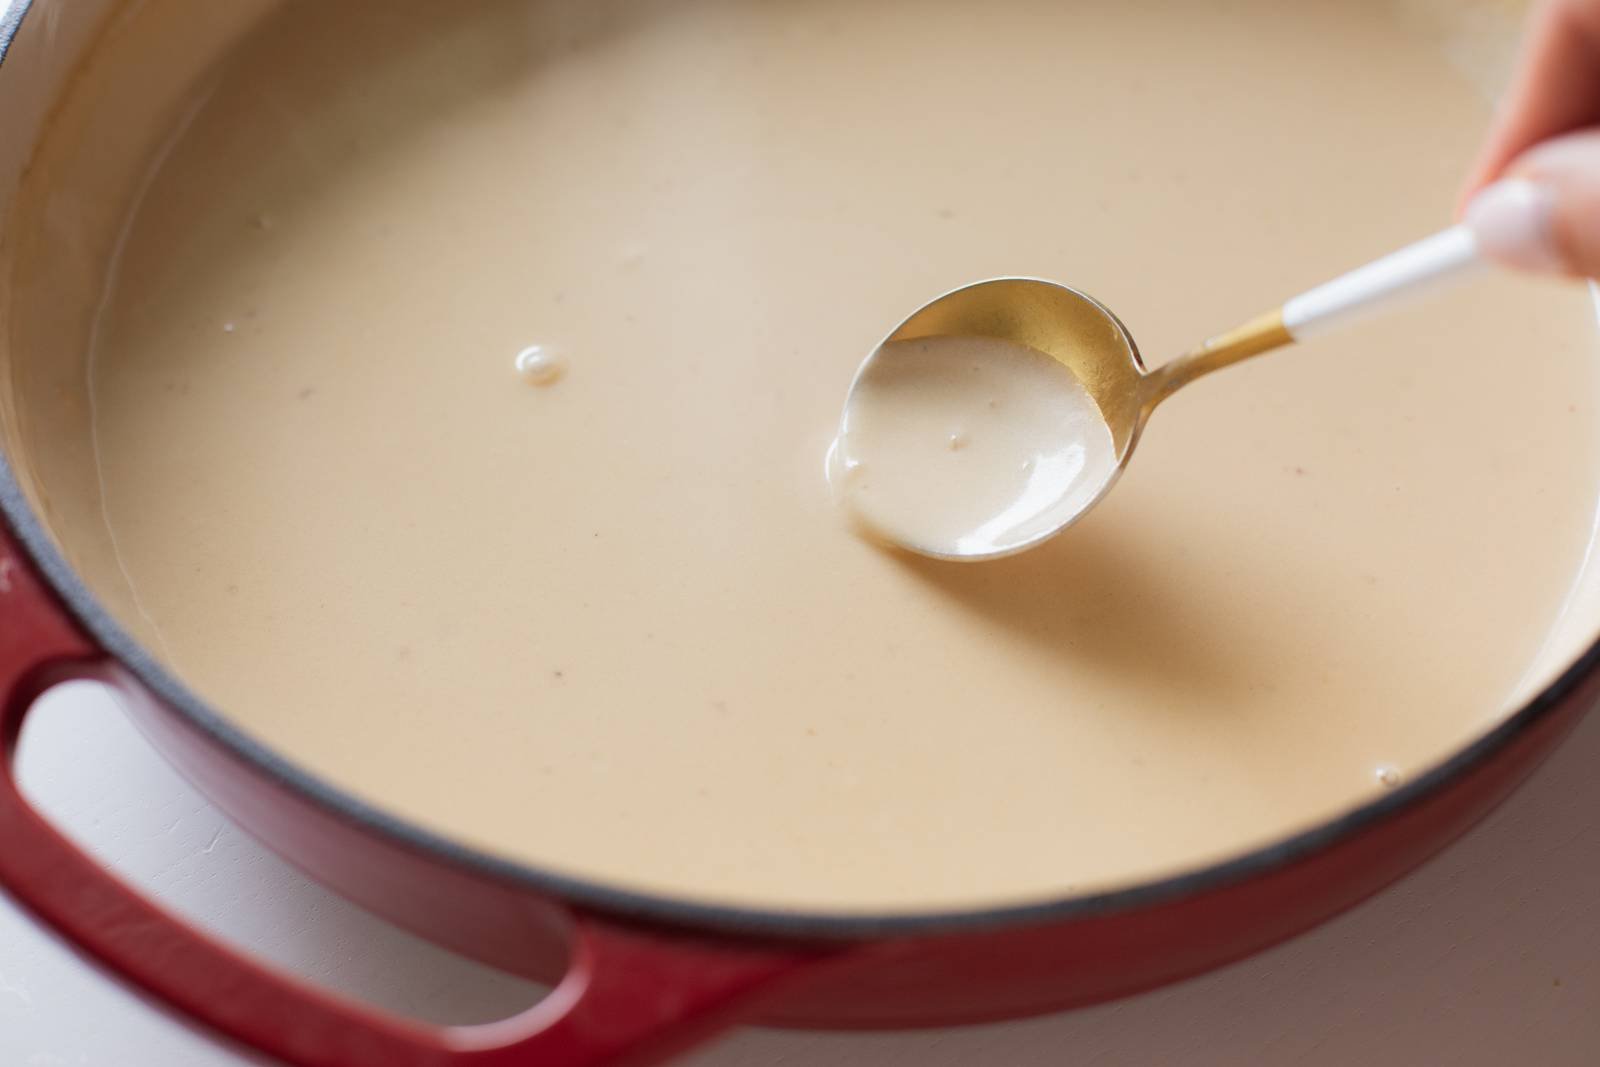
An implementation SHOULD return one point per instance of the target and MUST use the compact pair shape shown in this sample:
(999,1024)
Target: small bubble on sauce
(539,366)
(957,441)
(1387,776)
(229,327)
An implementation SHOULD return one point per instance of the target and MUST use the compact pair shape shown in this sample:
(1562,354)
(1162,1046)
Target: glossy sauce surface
(613,625)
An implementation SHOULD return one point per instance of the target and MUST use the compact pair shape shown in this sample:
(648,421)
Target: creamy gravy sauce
(968,446)
(613,625)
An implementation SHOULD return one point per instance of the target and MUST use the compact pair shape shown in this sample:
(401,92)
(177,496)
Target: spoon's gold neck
(1261,334)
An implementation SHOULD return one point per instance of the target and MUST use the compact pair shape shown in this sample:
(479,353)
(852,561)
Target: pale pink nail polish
(1513,222)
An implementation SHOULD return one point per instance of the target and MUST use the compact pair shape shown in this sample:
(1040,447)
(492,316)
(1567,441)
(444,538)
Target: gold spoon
(1083,335)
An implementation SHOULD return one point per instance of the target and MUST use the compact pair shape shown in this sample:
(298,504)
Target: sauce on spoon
(968,446)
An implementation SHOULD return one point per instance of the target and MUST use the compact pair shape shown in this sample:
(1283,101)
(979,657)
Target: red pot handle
(631,996)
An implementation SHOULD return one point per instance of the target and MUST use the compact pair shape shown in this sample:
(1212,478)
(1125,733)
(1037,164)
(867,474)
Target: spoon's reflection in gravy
(968,447)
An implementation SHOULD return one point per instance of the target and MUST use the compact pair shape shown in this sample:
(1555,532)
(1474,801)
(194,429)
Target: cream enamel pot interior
(639,975)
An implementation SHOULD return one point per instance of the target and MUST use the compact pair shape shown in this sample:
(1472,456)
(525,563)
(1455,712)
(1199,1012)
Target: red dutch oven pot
(638,978)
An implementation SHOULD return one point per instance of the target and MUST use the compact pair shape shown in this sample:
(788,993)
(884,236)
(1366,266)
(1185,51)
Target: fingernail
(1513,220)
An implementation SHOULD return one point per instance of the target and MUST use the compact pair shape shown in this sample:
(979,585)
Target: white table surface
(1490,955)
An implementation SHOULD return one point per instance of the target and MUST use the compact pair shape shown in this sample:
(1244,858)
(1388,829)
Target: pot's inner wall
(114,81)
(754,780)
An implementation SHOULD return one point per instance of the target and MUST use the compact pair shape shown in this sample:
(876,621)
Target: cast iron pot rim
(681,912)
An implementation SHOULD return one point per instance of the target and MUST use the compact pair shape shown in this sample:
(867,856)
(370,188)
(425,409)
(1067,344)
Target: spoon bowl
(1056,321)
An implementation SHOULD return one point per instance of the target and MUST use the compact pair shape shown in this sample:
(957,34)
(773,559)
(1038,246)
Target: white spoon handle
(1445,256)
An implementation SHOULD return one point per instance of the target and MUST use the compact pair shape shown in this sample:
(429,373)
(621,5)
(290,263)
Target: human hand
(1533,196)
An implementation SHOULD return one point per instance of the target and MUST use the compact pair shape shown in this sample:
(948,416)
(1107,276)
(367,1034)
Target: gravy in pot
(615,626)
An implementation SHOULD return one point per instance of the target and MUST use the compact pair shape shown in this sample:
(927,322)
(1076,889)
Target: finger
(1544,215)
(1556,88)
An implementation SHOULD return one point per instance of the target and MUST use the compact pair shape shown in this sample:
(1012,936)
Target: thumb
(1543,214)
